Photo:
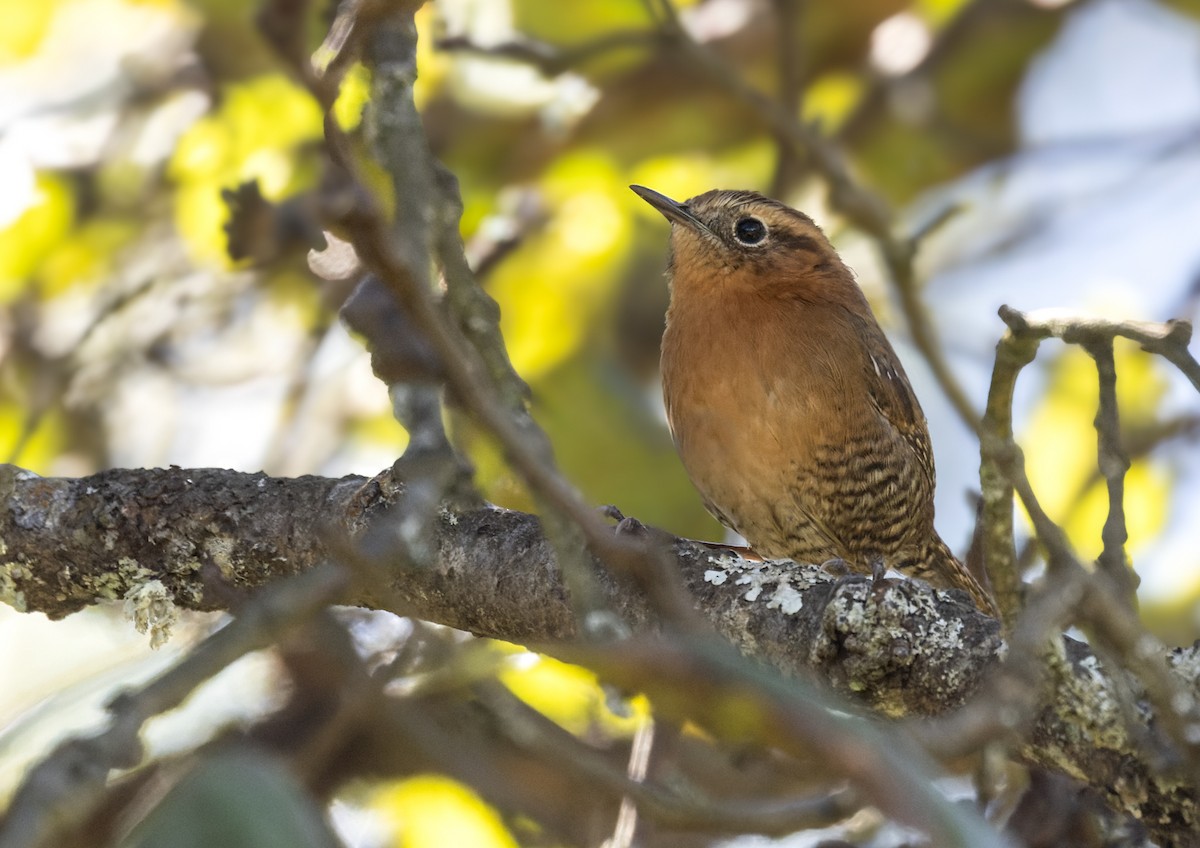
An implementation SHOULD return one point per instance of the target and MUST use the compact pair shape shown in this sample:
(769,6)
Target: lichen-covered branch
(996,518)
(208,535)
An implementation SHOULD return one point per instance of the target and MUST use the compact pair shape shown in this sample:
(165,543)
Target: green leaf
(235,800)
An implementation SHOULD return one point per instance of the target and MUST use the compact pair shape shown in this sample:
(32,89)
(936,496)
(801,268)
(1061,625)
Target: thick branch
(209,534)
(897,645)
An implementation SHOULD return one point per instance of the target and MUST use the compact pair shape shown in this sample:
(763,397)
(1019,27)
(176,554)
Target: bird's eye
(749,230)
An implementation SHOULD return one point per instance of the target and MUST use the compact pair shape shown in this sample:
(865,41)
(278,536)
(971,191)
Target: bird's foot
(626,525)
(879,578)
(843,572)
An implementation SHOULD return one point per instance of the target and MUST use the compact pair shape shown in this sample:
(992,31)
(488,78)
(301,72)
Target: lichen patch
(780,582)
(152,610)
(9,593)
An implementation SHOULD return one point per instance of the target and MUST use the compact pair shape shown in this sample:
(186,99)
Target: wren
(791,411)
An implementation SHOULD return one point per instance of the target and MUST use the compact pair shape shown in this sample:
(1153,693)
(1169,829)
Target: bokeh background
(1051,148)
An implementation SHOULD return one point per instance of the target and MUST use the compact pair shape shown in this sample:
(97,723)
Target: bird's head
(743,241)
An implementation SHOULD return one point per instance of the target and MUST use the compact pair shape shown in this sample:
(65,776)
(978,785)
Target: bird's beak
(672,210)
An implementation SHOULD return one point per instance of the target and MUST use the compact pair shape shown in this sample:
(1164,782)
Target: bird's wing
(893,396)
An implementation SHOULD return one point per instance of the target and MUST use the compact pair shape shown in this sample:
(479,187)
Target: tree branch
(897,646)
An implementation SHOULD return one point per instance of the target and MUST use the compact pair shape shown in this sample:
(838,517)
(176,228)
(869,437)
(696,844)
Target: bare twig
(1016,349)
(1138,442)
(1168,339)
(1113,463)
(625,828)
(1106,619)
(1110,621)
(500,235)
(1104,611)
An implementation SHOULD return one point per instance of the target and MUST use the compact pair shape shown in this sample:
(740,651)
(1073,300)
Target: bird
(789,408)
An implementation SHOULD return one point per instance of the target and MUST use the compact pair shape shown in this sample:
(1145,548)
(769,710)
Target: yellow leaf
(938,12)
(1060,444)
(352,97)
(1147,494)
(36,448)
(1061,448)
(255,134)
(831,97)
(24,25)
(31,237)
(432,811)
(381,429)
(688,174)
(432,64)
(568,695)
(87,256)
(554,287)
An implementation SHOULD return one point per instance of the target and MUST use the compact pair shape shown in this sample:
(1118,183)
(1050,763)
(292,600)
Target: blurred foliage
(24,28)
(254,134)
(29,241)
(430,811)
(236,800)
(572,697)
(118,246)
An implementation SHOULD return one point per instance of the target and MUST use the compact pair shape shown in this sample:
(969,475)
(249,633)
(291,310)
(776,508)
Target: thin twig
(625,829)
(1109,620)
(1113,463)
(1015,350)
(1169,339)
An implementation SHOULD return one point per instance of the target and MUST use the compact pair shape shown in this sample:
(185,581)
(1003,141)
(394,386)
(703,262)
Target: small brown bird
(790,410)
